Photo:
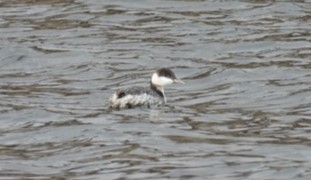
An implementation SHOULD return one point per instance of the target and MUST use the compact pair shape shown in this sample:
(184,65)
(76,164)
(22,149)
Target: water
(244,112)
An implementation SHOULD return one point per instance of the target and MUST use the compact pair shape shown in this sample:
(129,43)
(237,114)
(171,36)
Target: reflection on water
(244,112)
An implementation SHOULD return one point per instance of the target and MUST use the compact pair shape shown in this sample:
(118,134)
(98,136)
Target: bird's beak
(178,81)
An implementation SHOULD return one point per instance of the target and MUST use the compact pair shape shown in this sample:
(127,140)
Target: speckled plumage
(135,96)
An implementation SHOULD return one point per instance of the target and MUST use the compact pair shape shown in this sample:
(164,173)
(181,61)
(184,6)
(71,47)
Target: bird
(145,96)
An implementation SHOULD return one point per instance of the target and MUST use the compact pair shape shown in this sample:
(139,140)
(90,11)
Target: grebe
(145,96)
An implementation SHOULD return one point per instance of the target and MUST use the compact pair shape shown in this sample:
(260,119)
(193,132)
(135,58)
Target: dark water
(244,112)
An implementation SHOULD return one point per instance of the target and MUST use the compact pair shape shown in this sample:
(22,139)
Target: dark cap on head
(166,73)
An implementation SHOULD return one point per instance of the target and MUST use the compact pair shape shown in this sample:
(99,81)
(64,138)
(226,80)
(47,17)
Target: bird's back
(135,96)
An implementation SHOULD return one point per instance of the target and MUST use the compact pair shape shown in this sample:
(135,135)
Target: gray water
(244,112)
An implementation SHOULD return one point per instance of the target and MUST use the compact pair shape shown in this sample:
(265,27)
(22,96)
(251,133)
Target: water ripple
(244,112)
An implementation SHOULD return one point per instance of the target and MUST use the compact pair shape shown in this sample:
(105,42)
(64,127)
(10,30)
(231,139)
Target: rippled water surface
(244,112)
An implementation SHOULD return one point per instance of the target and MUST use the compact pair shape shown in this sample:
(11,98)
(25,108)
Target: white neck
(162,90)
